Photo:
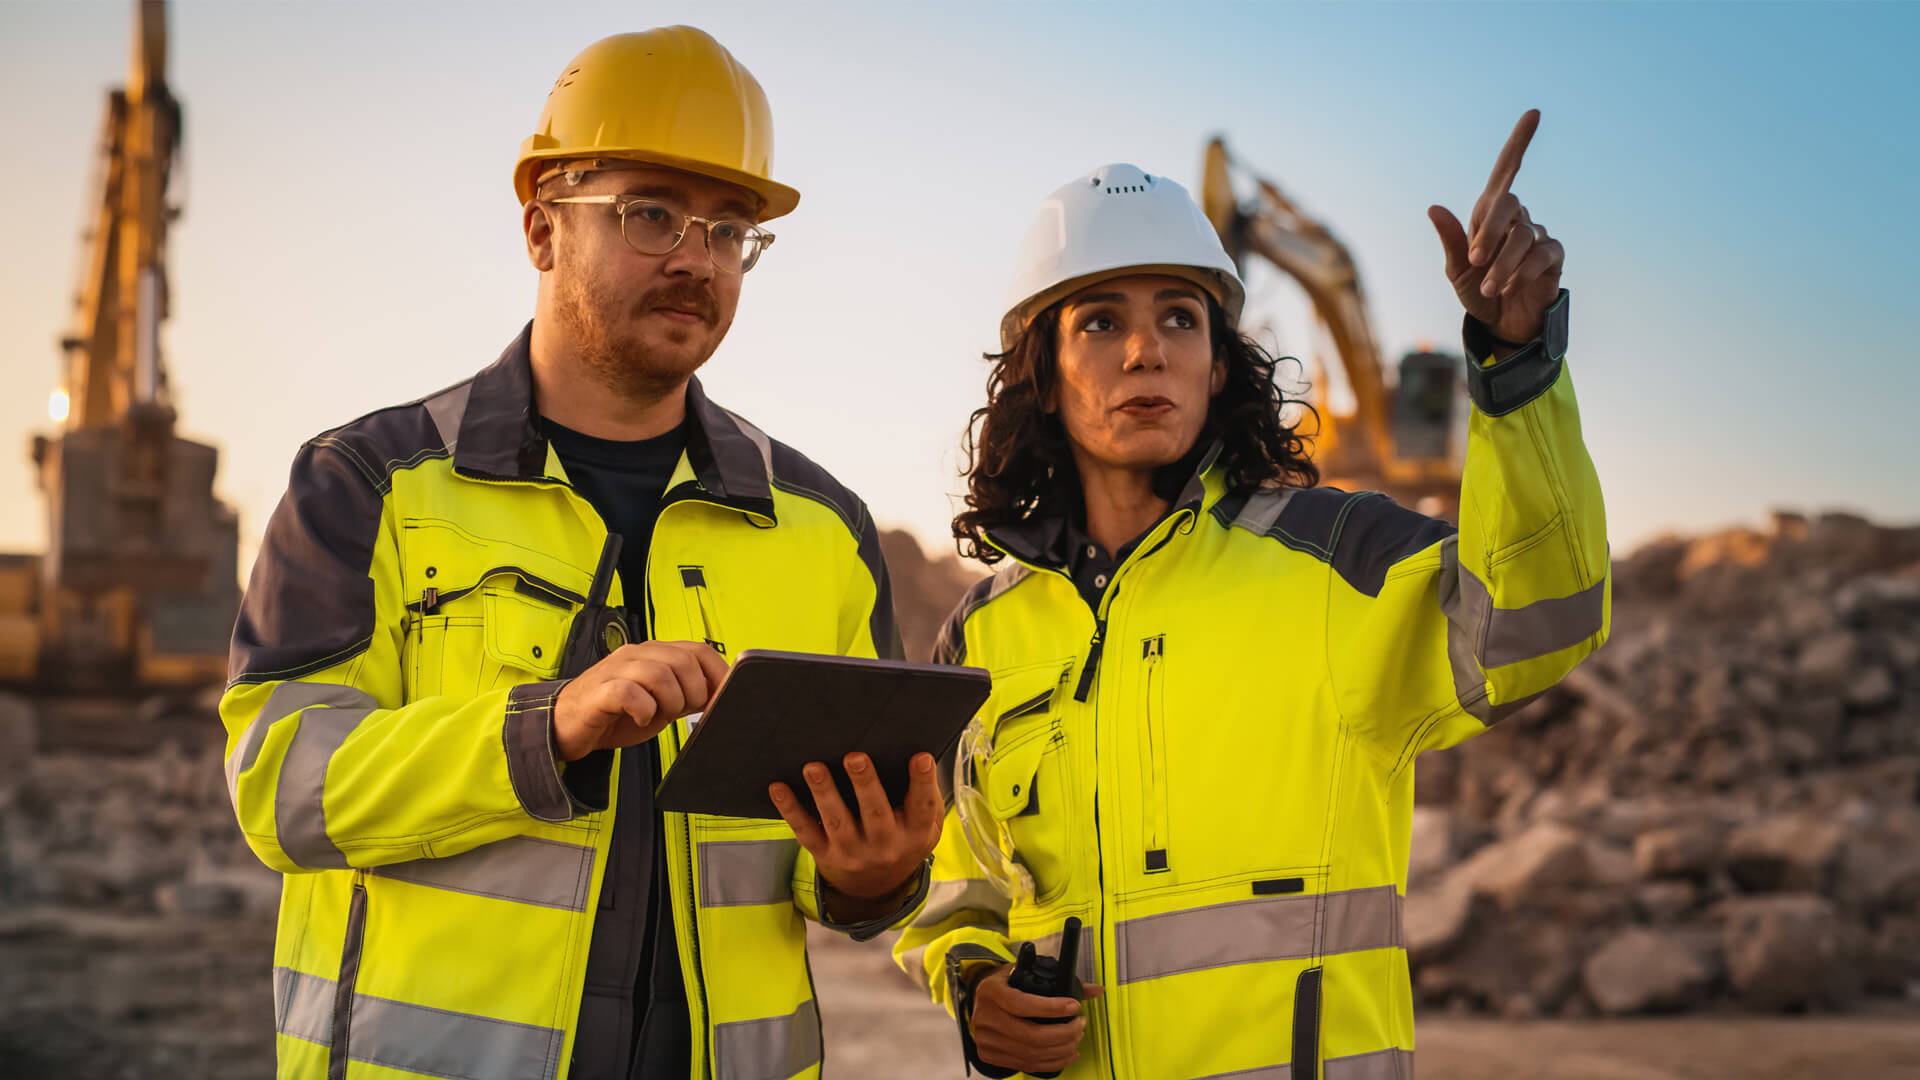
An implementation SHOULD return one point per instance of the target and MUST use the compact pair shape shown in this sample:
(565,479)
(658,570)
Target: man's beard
(613,353)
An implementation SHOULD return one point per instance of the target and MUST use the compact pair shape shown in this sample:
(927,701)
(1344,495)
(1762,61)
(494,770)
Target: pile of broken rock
(1721,808)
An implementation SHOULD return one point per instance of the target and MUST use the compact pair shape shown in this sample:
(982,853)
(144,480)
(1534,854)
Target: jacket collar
(1041,539)
(500,435)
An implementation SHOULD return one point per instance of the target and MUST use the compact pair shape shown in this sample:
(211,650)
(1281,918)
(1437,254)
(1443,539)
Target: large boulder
(1687,849)
(1435,843)
(1791,951)
(1784,853)
(1640,970)
(1545,858)
(1435,920)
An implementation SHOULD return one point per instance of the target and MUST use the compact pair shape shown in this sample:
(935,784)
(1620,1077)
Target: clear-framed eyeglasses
(651,227)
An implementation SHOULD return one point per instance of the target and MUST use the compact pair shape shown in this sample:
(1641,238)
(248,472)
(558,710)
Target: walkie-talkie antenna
(1070,948)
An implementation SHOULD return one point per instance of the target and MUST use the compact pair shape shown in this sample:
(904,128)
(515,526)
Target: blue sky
(1733,184)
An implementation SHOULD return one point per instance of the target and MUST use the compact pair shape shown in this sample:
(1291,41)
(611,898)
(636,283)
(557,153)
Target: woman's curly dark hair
(1019,462)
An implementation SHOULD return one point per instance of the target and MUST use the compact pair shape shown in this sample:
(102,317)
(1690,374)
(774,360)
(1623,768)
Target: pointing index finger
(1508,166)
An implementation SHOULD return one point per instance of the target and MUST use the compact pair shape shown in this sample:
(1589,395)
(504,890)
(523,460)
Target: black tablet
(777,711)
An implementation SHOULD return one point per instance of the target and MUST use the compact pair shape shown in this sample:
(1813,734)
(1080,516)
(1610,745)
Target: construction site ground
(94,996)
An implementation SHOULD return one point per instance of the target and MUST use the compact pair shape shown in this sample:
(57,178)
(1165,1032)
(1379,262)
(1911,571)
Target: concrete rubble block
(1880,870)
(1689,849)
(1665,901)
(1512,871)
(1435,920)
(1609,865)
(1791,951)
(1786,852)
(1872,688)
(1435,844)
(1829,660)
(1640,970)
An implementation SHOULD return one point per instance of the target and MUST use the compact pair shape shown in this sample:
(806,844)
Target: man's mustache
(690,297)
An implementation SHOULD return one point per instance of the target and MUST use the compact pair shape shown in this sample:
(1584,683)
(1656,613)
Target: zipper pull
(429,600)
(1093,662)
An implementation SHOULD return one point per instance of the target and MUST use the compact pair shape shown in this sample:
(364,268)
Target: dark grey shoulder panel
(310,603)
(387,440)
(795,473)
(1361,534)
(1378,532)
(950,647)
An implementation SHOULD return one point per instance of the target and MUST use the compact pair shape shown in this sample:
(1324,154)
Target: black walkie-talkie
(1045,976)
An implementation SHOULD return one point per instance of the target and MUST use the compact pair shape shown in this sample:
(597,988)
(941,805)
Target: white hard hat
(1116,220)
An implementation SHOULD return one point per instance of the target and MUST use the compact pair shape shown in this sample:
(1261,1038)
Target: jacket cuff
(1500,388)
(534,767)
(872,928)
(961,994)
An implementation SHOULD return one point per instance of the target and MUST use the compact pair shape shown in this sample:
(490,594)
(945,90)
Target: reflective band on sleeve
(299,812)
(741,872)
(523,869)
(1250,931)
(949,898)
(287,698)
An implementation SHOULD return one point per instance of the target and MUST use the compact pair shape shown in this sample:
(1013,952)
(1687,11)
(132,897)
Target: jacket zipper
(692,909)
(1153,763)
(350,952)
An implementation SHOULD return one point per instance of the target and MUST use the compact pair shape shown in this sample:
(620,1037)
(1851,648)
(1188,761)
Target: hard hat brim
(1226,291)
(776,199)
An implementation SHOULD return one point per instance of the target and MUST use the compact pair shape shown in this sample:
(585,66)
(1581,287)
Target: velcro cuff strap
(1523,376)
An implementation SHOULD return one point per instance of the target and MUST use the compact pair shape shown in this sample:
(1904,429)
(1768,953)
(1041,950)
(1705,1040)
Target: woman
(1211,678)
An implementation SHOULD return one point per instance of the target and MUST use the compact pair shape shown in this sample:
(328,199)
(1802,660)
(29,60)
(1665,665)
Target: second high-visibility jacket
(1213,768)
(394,672)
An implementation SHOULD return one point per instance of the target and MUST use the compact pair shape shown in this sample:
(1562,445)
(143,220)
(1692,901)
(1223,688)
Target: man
(473,613)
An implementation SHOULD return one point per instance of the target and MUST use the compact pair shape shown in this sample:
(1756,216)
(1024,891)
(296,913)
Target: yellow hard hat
(672,96)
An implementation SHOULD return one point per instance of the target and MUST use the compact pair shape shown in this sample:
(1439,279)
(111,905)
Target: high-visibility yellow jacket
(393,674)
(1214,770)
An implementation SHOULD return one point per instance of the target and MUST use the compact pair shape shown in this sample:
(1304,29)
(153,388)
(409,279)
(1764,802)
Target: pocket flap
(524,633)
(1011,772)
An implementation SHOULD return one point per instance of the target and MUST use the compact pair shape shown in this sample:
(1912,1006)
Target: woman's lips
(1146,408)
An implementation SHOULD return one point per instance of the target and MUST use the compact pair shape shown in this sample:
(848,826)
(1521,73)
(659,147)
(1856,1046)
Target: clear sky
(1734,184)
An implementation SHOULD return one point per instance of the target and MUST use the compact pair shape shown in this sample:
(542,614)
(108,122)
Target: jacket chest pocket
(503,631)
(1027,782)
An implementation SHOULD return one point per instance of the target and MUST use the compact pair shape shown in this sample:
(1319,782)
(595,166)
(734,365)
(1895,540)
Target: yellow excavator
(139,585)
(1407,439)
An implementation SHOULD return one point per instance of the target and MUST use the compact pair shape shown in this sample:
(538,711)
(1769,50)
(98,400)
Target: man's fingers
(876,811)
(1453,240)
(658,678)
(712,665)
(1507,166)
(925,811)
(805,828)
(1032,1006)
(833,810)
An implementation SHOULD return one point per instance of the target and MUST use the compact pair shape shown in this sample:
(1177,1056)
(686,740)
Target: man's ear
(538,227)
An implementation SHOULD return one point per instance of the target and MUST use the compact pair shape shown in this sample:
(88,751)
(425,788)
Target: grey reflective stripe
(303,1005)
(1250,931)
(1544,626)
(1389,1064)
(285,700)
(448,408)
(770,1049)
(1481,636)
(949,898)
(1088,963)
(738,872)
(299,813)
(523,869)
(436,1042)
(1262,510)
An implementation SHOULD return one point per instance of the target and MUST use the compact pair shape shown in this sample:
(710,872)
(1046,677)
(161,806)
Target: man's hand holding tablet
(871,857)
